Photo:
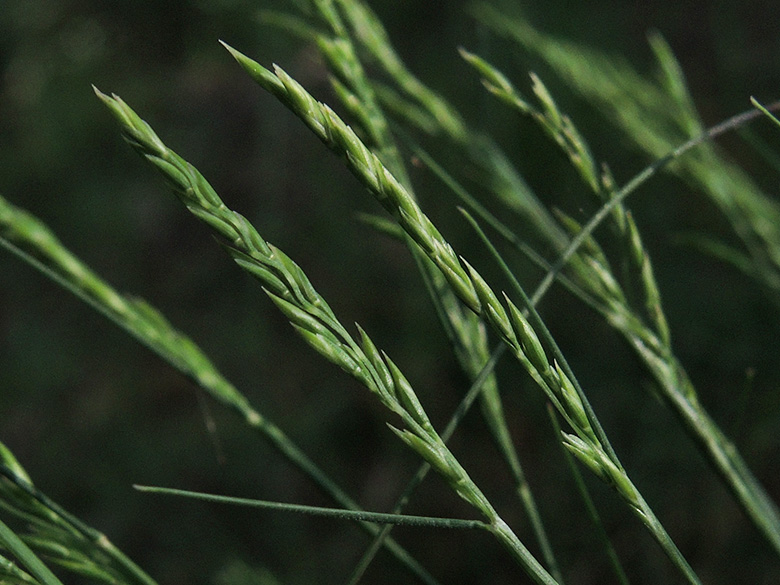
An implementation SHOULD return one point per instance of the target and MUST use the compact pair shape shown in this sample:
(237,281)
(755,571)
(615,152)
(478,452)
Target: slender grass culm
(607,446)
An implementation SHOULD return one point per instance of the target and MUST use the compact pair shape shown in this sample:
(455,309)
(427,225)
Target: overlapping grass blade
(337,513)
(11,542)
(11,574)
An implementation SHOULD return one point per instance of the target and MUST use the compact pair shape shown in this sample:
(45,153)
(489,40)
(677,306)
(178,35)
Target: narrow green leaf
(11,542)
(357,515)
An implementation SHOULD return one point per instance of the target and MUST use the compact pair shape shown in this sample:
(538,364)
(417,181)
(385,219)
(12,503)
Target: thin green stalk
(476,389)
(337,513)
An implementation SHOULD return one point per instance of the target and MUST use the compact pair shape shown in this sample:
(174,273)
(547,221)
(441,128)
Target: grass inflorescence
(380,112)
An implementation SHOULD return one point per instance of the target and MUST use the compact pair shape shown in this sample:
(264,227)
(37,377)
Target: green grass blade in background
(658,116)
(10,541)
(59,536)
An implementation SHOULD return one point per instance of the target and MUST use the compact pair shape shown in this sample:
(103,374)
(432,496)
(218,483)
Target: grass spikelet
(367,167)
(335,344)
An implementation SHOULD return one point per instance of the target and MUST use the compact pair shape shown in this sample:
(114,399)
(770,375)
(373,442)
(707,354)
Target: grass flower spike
(367,167)
(283,280)
(289,288)
(466,282)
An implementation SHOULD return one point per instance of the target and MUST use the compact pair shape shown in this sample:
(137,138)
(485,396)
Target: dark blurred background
(89,412)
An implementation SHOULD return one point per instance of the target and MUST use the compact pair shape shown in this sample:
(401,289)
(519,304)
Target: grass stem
(337,513)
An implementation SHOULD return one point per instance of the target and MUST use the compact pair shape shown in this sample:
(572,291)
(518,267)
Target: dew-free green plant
(477,293)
